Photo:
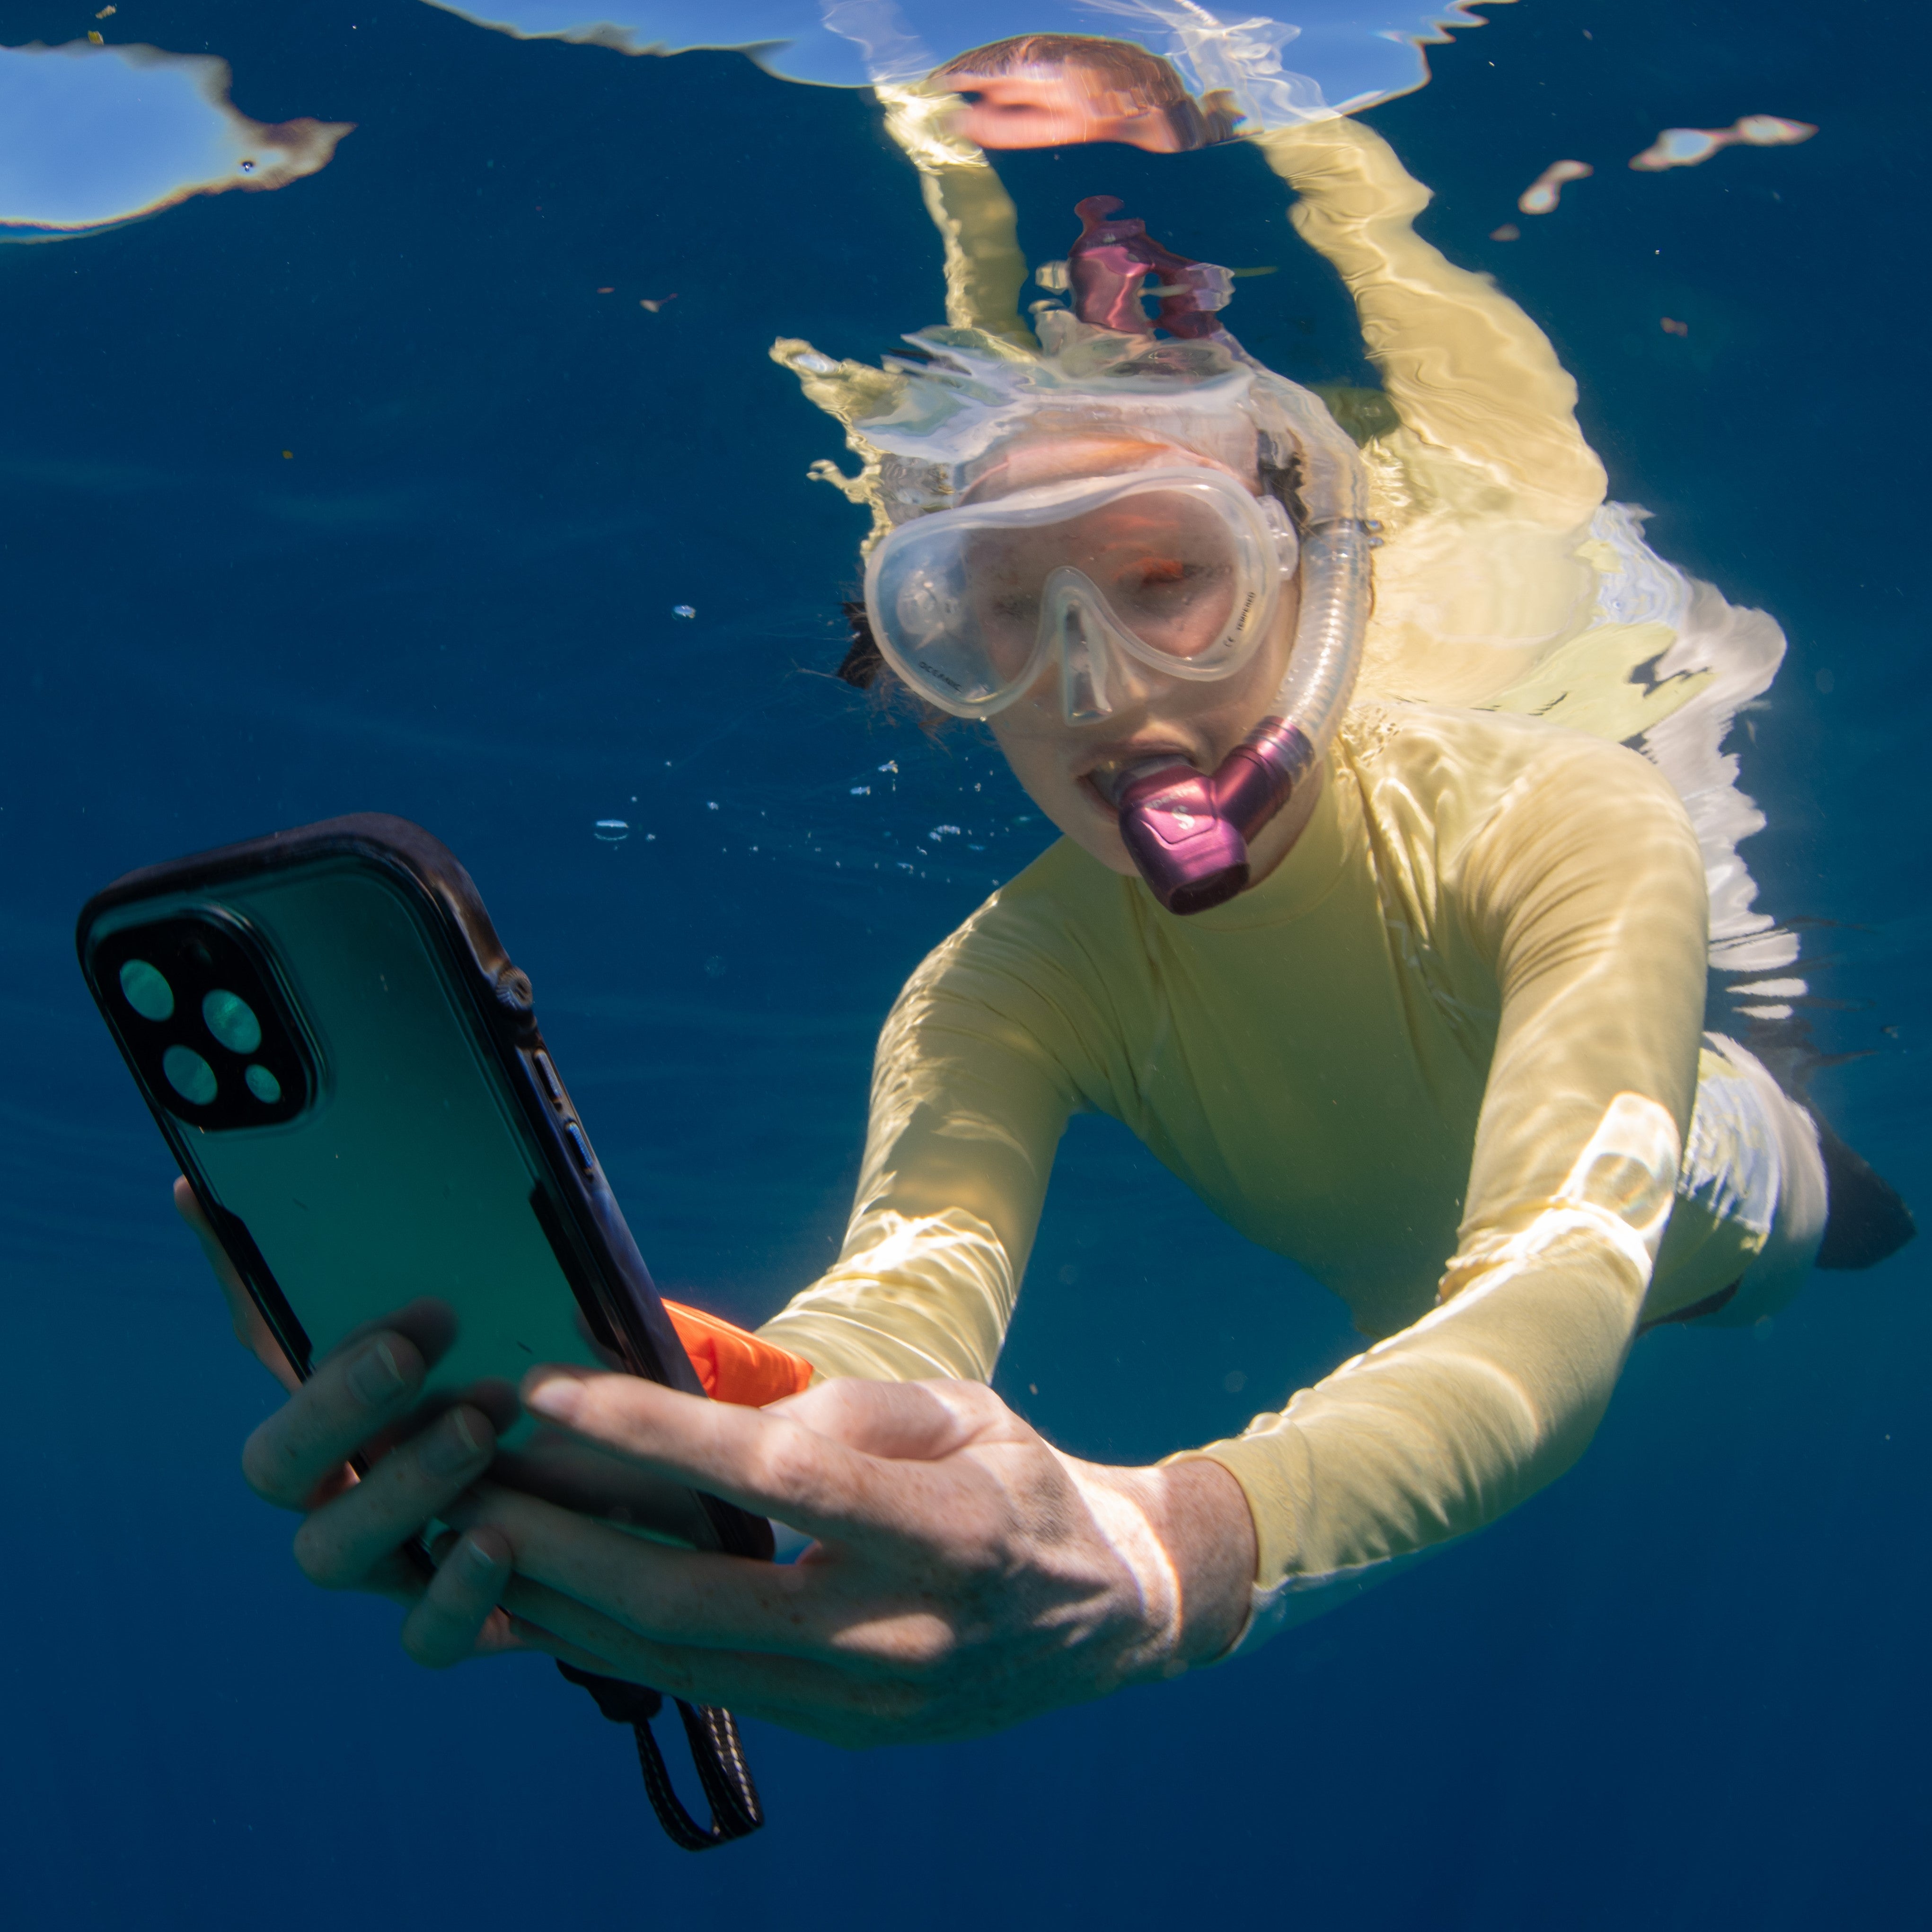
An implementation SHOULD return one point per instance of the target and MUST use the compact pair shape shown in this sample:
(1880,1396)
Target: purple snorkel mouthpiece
(1189,831)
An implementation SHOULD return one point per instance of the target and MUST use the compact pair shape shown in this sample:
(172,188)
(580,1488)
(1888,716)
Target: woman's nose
(1096,681)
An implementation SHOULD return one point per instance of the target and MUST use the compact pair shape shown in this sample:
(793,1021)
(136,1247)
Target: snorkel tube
(1189,831)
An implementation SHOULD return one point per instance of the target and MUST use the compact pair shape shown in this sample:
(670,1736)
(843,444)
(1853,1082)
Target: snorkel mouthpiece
(1189,831)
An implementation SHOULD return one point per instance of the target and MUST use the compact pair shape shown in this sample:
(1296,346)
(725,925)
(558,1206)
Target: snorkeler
(1434,1030)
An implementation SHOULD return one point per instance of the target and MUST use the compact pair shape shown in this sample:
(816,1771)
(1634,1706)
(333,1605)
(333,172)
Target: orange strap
(733,1366)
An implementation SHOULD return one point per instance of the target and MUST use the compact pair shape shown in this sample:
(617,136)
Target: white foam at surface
(1346,55)
(93,136)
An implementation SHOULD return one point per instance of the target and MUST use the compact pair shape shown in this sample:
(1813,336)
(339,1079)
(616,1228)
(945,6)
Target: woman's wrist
(1209,1533)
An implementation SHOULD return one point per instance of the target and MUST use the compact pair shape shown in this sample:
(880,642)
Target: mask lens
(929,621)
(1175,564)
(1168,566)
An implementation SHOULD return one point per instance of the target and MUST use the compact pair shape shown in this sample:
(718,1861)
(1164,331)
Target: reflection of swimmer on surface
(1437,1037)
(1051,90)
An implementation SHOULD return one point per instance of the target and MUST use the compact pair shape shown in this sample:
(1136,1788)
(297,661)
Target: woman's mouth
(1102,780)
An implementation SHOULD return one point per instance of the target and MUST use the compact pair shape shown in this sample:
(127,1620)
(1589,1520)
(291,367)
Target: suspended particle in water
(714,967)
(612,831)
(683,610)
(891,765)
(1672,326)
(862,791)
(248,167)
(1541,196)
(941,831)
(659,303)
(1508,232)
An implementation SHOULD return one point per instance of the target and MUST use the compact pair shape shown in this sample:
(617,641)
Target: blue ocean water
(1684,1687)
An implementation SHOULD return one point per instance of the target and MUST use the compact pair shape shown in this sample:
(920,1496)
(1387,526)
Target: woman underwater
(1425,1016)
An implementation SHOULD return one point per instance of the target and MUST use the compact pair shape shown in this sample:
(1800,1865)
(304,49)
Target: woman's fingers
(827,1700)
(683,1601)
(354,1395)
(340,1544)
(766,1462)
(365,1387)
(458,1615)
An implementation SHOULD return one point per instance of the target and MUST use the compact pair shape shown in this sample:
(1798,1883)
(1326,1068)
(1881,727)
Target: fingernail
(477,1562)
(556,1400)
(374,1377)
(451,1445)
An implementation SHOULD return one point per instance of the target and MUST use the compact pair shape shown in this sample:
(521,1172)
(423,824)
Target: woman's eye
(1157,580)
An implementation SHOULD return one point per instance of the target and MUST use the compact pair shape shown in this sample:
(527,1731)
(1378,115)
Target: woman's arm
(978,227)
(1585,888)
(967,1112)
(1466,370)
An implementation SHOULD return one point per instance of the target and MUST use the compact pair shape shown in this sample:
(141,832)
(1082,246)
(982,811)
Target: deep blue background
(1685,1688)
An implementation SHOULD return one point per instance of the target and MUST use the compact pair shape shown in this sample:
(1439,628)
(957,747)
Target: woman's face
(1051,106)
(1060,762)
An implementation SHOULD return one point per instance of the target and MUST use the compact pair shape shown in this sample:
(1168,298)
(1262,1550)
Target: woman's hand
(965,1574)
(359,1533)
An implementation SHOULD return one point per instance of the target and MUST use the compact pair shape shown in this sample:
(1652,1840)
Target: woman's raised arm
(1466,370)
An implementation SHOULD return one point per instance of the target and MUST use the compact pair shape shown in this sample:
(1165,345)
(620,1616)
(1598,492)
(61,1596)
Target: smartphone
(350,1072)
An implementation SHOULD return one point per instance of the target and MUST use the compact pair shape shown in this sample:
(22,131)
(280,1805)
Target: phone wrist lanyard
(722,1772)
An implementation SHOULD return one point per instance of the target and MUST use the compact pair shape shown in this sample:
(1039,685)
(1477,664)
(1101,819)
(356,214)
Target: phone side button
(579,1146)
(553,1086)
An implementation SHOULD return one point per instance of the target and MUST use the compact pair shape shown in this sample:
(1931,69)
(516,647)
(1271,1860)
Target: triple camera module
(211,1038)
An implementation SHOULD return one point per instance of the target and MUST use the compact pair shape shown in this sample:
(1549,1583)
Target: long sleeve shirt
(1445,1057)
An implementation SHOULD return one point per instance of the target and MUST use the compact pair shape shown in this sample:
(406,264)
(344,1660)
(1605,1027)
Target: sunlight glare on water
(92,137)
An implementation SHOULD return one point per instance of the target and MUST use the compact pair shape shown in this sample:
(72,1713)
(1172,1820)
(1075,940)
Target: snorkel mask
(1174,570)
(970,605)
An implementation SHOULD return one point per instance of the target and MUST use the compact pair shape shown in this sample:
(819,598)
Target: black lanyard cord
(722,1772)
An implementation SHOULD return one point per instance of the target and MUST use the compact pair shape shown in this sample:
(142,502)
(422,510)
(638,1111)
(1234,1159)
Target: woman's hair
(865,668)
(1121,64)
(863,665)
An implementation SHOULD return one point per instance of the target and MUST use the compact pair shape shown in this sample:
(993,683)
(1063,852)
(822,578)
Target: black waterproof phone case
(349,1070)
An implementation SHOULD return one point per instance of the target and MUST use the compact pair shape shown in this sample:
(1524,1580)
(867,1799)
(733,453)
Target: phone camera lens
(232,1021)
(146,991)
(189,1074)
(263,1084)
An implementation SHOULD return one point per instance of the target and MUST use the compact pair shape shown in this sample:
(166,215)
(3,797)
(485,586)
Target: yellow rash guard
(1490,937)
(1445,1057)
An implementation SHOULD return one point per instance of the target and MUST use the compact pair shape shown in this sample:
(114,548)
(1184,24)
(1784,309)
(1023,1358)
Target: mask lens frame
(929,623)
